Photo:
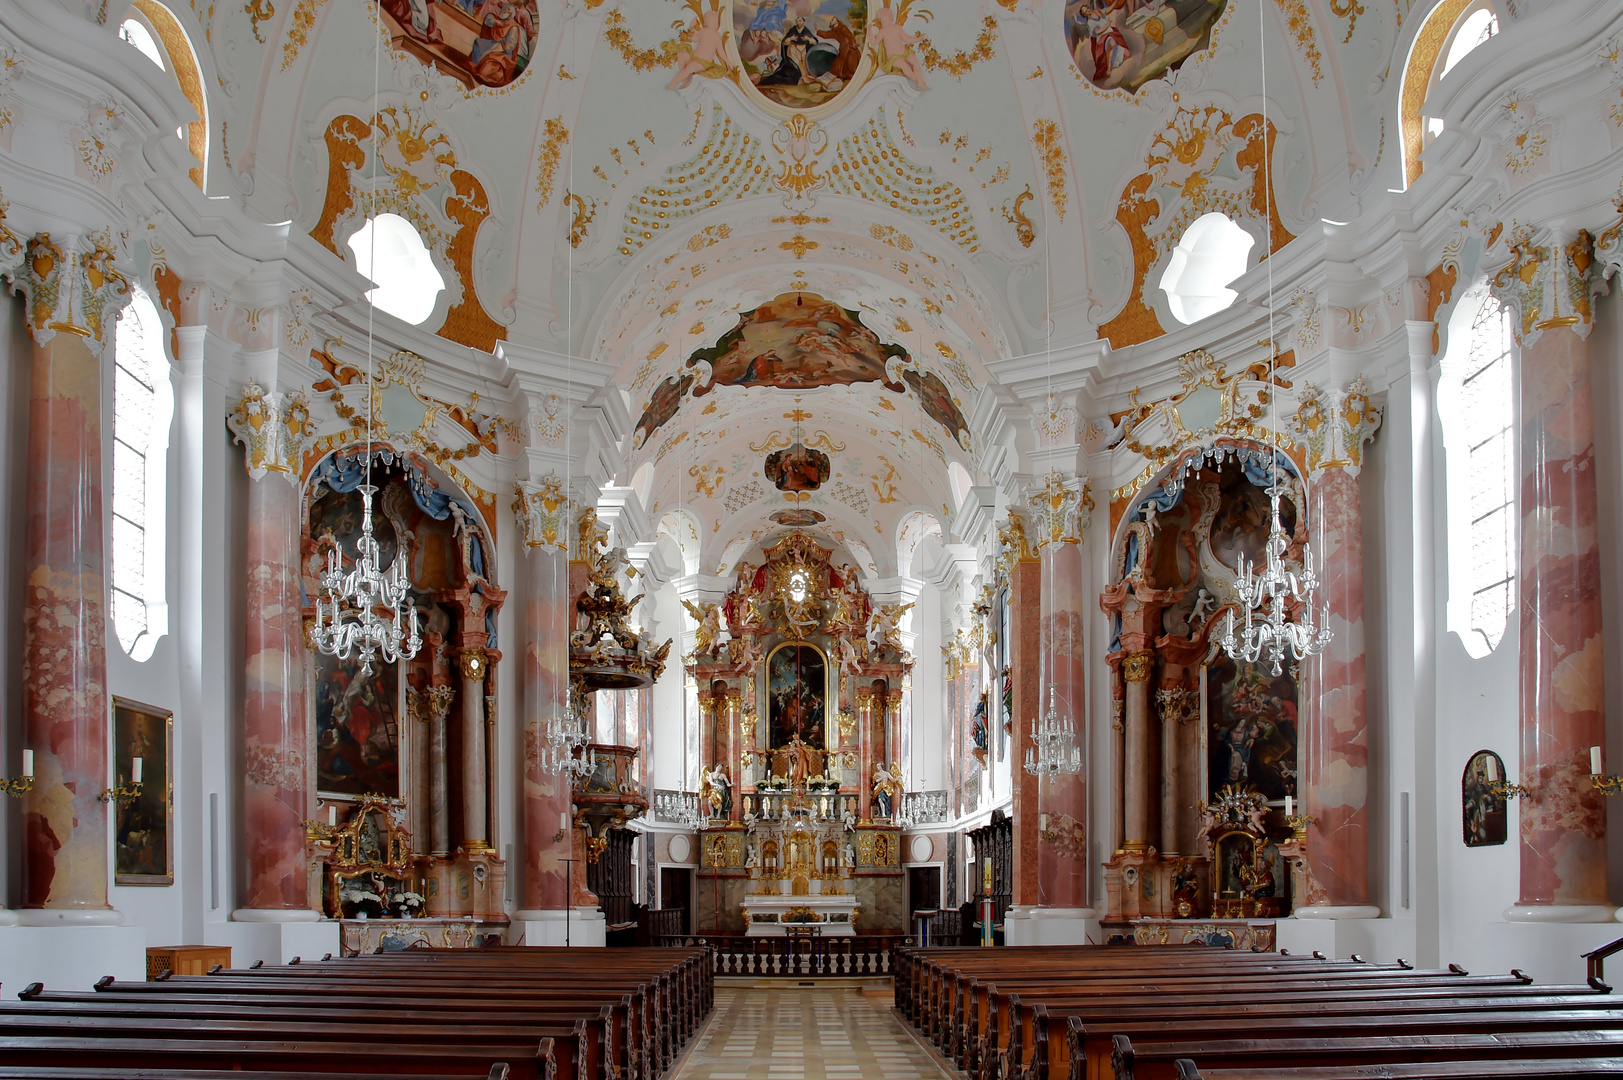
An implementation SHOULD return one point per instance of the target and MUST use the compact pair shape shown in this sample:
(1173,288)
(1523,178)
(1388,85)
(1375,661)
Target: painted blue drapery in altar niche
(797,695)
(1251,728)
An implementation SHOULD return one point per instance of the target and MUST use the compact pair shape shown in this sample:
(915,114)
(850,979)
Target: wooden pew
(1518,1068)
(1152,1062)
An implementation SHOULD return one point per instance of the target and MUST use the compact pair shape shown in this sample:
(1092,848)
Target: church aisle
(805,1033)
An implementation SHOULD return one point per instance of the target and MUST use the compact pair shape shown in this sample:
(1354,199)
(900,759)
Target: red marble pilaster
(274,714)
(64,864)
(1335,720)
(1062,874)
(1025,661)
(547,839)
(1563,678)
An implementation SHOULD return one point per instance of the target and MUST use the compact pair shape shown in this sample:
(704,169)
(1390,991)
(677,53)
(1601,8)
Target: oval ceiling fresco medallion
(1123,44)
(476,42)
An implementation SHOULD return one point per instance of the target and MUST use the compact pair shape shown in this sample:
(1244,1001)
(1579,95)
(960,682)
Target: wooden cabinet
(185,959)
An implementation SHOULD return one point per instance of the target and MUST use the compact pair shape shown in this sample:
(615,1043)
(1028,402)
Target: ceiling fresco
(1127,43)
(798,341)
(642,183)
(476,42)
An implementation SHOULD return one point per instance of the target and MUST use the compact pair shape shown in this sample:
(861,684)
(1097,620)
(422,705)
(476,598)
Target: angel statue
(886,628)
(716,789)
(849,653)
(708,616)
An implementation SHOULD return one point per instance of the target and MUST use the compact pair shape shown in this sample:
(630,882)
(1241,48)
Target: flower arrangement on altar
(363,902)
(407,903)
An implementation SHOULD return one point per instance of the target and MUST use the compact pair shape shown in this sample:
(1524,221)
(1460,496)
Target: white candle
(28,763)
(563,820)
(1493,769)
(1290,806)
(1595,763)
(135,770)
(332,816)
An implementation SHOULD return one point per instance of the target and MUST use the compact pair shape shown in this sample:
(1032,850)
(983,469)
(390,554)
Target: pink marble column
(1062,801)
(546,694)
(65,721)
(1025,659)
(276,725)
(1335,720)
(1563,678)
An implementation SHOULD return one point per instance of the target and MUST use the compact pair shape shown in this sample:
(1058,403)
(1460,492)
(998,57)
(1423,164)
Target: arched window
(408,284)
(142,406)
(1211,253)
(1450,33)
(1477,403)
(153,29)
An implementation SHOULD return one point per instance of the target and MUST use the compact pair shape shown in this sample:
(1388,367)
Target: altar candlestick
(986,875)
(135,771)
(28,763)
(1595,762)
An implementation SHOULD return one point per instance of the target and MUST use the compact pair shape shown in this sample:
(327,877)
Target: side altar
(802,683)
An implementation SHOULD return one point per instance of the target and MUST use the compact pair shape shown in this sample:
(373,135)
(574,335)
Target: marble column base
(7,917)
(1560,913)
(275,915)
(1333,911)
(586,928)
(1026,925)
(71,957)
(70,917)
(274,942)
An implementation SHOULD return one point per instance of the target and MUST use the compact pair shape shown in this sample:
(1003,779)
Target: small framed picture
(143,848)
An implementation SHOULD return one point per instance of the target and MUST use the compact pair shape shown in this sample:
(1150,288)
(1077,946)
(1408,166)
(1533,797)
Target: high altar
(802,702)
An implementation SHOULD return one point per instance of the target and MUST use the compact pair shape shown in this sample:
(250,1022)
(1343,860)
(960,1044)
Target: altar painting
(1127,43)
(476,42)
(1482,809)
(797,692)
(800,53)
(1251,738)
(143,851)
(357,727)
(796,342)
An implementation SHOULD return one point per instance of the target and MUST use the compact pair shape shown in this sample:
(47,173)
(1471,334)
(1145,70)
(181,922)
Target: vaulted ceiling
(603,178)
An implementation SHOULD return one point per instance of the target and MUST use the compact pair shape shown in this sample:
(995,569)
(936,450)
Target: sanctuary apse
(795,470)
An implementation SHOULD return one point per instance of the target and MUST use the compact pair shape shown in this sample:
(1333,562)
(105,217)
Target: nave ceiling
(590,183)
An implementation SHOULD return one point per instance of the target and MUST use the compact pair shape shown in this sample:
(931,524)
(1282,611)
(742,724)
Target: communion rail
(798,958)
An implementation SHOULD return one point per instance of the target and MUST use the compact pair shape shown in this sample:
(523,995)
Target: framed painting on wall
(143,847)
(1482,809)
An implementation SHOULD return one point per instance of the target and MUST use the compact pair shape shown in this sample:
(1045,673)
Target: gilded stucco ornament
(1548,282)
(1210,405)
(1333,427)
(1062,507)
(542,512)
(273,429)
(72,286)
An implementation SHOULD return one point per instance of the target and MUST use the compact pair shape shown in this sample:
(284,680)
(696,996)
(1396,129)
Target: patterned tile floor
(805,1033)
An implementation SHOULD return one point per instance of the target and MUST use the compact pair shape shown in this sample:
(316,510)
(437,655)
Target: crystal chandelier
(1054,751)
(364,612)
(566,739)
(1266,630)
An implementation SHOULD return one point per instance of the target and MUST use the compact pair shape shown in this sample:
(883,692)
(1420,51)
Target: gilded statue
(708,616)
(887,789)
(886,628)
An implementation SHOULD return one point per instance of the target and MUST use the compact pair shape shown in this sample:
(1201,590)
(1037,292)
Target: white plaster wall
(666,770)
(928,768)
